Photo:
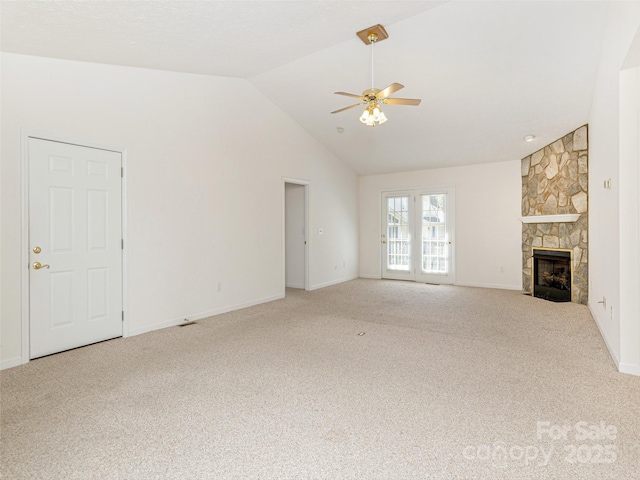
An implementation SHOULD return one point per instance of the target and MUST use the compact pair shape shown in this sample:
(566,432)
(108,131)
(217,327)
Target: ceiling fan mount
(377,33)
(373,97)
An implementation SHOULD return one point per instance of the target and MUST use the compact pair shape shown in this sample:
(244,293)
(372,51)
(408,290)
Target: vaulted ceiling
(488,73)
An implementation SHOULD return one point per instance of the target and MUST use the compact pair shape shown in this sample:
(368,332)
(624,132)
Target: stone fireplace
(555,220)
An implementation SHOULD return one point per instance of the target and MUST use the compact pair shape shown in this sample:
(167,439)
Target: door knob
(38,265)
(37,249)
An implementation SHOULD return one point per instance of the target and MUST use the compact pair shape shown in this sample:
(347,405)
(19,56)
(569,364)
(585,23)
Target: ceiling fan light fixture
(373,115)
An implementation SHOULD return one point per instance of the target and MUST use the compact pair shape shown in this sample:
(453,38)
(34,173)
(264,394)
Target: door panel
(396,236)
(75,219)
(435,265)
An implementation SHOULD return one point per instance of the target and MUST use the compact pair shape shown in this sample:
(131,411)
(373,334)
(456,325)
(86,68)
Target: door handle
(38,265)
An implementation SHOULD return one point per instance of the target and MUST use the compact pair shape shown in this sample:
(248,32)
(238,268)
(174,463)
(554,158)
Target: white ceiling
(488,73)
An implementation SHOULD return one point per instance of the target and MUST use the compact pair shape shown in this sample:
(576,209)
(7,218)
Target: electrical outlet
(607,183)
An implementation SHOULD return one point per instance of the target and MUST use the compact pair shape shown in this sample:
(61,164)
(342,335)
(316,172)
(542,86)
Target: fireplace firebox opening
(552,274)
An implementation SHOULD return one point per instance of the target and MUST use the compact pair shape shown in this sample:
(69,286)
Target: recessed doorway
(296,245)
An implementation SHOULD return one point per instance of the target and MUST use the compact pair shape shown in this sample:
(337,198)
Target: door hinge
(123,315)
(121,172)
(122,244)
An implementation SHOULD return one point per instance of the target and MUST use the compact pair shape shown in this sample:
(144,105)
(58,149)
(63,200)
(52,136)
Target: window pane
(398,245)
(434,234)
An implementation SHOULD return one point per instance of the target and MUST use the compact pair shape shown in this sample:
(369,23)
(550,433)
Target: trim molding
(10,363)
(459,284)
(561,218)
(201,315)
(606,342)
(629,369)
(334,282)
(372,277)
(489,285)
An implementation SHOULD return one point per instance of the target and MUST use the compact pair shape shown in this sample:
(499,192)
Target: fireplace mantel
(562,218)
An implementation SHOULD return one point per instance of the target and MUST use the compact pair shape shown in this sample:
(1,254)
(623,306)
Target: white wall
(487,230)
(630,220)
(206,157)
(611,217)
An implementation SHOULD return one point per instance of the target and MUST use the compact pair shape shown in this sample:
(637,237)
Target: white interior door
(75,232)
(417,235)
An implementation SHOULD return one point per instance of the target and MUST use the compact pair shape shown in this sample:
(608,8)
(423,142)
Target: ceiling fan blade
(349,95)
(402,101)
(385,92)
(347,108)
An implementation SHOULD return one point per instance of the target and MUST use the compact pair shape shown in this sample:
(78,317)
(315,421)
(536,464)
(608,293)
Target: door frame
(24,227)
(306,184)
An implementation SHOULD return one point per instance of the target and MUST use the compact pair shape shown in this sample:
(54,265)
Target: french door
(417,235)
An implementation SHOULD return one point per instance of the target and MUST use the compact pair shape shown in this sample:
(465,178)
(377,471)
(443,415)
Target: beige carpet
(445,383)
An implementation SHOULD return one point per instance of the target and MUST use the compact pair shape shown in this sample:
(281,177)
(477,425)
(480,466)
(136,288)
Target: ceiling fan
(374,97)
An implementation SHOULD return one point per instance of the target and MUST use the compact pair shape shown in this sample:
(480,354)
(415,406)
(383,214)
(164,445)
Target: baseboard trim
(10,363)
(614,357)
(629,368)
(201,315)
(333,282)
(489,285)
(461,284)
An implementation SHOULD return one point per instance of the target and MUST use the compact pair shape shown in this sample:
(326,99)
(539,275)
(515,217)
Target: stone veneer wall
(555,181)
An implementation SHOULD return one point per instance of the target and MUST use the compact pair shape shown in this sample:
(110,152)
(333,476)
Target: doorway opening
(296,228)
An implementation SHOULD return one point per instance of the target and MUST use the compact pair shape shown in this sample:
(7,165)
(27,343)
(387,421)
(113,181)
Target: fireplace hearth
(552,275)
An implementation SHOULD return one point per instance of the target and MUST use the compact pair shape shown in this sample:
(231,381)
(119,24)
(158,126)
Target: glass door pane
(435,251)
(398,239)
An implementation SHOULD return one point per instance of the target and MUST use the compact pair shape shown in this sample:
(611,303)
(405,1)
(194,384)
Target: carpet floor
(364,380)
